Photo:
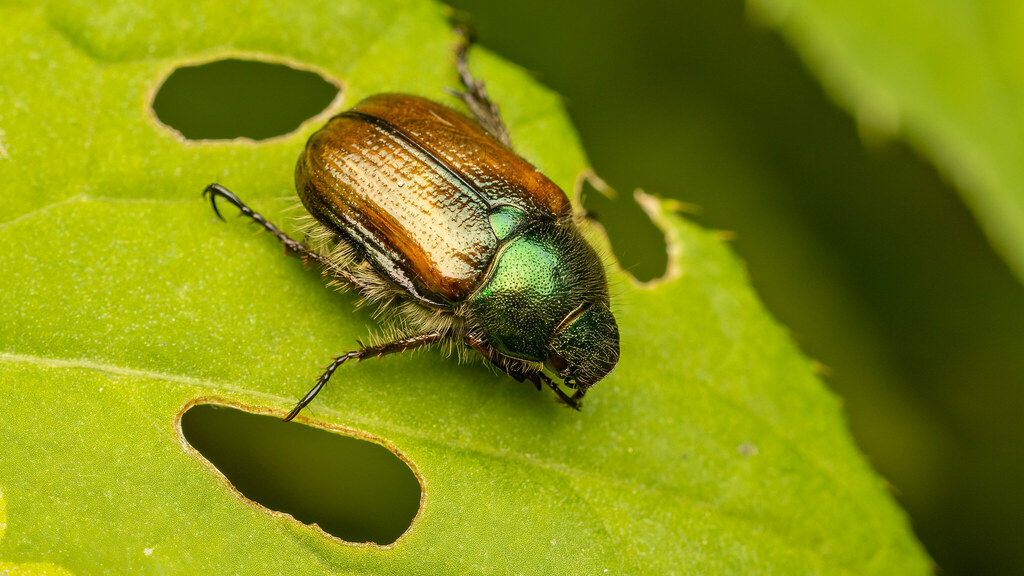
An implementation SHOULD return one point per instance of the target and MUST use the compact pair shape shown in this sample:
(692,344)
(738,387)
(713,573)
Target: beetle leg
(577,397)
(575,401)
(475,97)
(516,371)
(570,401)
(215,190)
(400,345)
(292,245)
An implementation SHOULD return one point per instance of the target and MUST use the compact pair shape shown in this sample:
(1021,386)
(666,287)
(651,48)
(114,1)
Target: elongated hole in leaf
(229,99)
(354,489)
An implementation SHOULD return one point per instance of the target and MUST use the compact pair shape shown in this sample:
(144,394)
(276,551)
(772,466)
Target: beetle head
(585,346)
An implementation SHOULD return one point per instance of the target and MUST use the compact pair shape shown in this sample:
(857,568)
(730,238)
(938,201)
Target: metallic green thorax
(546,299)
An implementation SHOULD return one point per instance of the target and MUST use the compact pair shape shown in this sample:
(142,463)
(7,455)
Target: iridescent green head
(585,346)
(546,300)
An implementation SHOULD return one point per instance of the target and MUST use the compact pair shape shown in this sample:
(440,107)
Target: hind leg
(292,245)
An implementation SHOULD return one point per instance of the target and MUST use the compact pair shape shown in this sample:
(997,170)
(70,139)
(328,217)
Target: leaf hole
(233,98)
(639,245)
(354,489)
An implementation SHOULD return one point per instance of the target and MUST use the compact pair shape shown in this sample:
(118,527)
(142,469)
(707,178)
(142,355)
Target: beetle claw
(212,191)
(215,190)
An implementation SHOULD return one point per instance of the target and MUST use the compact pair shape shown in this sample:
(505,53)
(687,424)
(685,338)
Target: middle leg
(400,345)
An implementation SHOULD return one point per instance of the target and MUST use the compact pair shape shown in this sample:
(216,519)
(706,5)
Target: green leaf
(946,75)
(712,448)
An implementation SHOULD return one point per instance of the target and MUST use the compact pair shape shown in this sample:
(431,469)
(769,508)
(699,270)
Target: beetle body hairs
(429,215)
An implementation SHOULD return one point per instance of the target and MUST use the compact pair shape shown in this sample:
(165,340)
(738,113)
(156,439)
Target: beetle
(431,215)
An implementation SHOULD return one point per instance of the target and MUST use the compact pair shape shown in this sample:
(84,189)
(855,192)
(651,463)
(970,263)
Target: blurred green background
(854,242)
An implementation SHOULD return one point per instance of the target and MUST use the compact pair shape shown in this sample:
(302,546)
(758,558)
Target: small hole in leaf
(354,489)
(638,244)
(230,99)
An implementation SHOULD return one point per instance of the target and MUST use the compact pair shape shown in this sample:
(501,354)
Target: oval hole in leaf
(354,489)
(638,244)
(229,99)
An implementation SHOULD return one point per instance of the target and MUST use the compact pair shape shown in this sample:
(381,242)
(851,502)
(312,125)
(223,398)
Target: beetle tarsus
(215,190)
(475,96)
(291,245)
(322,381)
(400,345)
(575,401)
(570,401)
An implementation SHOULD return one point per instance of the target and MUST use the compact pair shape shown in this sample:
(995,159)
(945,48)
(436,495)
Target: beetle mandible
(422,210)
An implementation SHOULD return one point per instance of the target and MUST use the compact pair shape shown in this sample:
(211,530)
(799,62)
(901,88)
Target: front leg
(575,401)
(515,369)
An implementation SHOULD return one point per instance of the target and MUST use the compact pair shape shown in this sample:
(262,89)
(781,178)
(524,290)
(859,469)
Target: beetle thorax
(538,278)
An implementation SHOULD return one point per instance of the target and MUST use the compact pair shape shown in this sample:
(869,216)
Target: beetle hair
(567,234)
(341,255)
(399,316)
(324,242)
(609,261)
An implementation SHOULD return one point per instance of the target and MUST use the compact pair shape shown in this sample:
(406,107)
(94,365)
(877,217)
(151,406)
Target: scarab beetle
(425,212)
